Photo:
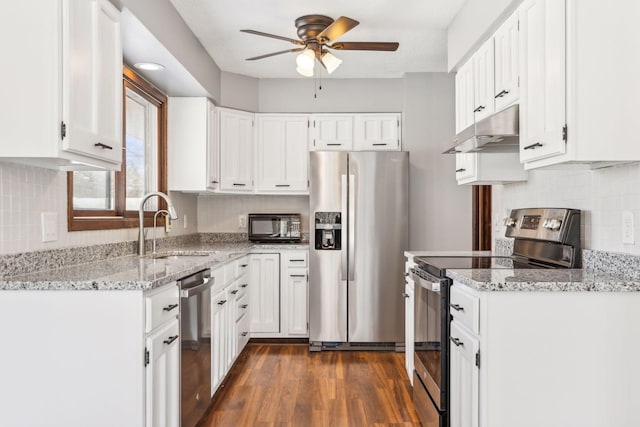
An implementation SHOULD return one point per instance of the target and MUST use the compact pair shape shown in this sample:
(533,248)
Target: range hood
(498,133)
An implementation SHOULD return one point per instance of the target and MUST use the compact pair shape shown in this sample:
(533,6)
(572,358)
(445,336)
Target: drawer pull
(533,146)
(170,339)
(501,94)
(239,185)
(244,285)
(296,260)
(244,306)
(283,185)
(480,108)
(214,182)
(456,307)
(406,295)
(103,146)
(457,342)
(223,302)
(379,144)
(460,170)
(244,334)
(234,292)
(297,275)
(333,144)
(170,307)
(244,265)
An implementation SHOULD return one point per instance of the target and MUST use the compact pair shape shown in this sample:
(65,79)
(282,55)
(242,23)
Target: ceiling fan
(317,35)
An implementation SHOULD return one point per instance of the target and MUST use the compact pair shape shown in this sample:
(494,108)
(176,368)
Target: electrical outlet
(242,221)
(49,226)
(185,222)
(627,227)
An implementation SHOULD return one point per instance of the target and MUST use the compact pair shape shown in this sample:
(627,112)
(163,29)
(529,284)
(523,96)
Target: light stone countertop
(544,280)
(133,272)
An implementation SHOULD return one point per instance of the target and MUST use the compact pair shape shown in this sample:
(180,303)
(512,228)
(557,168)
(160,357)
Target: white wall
(475,22)
(238,91)
(26,192)
(603,194)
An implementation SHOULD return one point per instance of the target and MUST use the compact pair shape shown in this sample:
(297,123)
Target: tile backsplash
(26,192)
(602,194)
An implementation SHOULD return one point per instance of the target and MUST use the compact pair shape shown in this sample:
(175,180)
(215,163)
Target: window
(99,200)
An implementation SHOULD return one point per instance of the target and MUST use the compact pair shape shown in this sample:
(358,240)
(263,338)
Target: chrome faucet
(172,214)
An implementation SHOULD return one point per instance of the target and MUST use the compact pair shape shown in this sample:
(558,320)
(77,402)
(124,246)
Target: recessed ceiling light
(149,66)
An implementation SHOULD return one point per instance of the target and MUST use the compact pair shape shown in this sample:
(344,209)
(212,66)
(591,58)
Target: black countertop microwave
(274,228)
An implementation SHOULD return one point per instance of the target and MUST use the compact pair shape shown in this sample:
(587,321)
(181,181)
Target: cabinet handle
(296,260)
(333,144)
(480,108)
(244,265)
(297,275)
(223,302)
(406,295)
(457,342)
(460,170)
(378,144)
(244,334)
(239,185)
(244,285)
(456,307)
(283,185)
(244,306)
(170,307)
(103,146)
(501,94)
(234,292)
(214,182)
(170,339)
(533,146)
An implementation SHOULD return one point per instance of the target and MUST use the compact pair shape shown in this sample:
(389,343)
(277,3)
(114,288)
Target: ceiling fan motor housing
(309,26)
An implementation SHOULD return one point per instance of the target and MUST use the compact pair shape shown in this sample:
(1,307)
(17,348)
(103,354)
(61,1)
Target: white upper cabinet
(542,103)
(192,145)
(506,55)
(236,150)
(483,84)
(282,153)
(464,97)
(376,132)
(332,132)
(70,70)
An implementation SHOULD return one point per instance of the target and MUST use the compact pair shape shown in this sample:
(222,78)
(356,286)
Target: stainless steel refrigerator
(358,219)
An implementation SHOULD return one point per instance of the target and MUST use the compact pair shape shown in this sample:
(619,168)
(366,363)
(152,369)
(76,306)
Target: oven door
(431,315)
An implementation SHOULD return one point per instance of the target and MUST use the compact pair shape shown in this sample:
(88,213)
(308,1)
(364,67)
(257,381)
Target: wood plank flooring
(286,385)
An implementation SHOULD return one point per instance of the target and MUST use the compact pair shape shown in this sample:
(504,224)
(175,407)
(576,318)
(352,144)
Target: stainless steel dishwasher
(195,361)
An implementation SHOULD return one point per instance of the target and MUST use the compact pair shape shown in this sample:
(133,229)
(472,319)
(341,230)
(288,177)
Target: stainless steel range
(543,238)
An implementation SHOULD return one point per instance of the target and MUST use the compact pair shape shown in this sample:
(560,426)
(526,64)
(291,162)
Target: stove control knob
(509,222)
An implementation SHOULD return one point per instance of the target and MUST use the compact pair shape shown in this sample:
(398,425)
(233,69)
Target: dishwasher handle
(199,288)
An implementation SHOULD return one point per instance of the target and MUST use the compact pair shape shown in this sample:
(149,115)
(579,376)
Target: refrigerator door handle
(343,255)
(351,232)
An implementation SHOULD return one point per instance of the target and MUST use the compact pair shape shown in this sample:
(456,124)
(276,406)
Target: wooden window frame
(82,220)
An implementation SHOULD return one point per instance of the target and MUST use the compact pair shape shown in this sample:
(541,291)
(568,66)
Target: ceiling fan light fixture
(307,72)
(306,59)
(331,62)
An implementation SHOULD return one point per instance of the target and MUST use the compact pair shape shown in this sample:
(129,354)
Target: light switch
(49,226)
(627,227)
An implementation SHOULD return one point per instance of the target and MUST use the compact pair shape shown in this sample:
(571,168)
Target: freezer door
(327,265)
(378,222)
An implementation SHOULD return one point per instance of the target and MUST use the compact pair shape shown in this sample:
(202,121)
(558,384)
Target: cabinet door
(464,97)
(409,338)
(92,80)
(377,132)
(236,150)
(282,150)
(219,355)
(213,146)
(466,165)
(483,84)
(264,296)
(297,302)
(163,377)
(232,313)
(507,58)
(464,383)
(332,132)
(542,89)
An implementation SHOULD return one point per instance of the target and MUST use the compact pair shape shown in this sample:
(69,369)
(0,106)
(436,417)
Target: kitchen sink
(181,255)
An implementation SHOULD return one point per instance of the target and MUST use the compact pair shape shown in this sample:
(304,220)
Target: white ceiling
(418,25)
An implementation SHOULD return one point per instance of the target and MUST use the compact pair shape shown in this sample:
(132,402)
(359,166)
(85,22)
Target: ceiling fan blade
(275,53)
(337,28)
(385,46)
(273,36)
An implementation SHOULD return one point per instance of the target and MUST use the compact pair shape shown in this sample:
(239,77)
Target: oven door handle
(432,284)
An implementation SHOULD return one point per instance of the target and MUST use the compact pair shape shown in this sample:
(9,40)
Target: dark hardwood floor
(286,385)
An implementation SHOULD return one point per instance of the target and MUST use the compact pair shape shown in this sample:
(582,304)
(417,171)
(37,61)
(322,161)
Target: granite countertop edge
(110,277)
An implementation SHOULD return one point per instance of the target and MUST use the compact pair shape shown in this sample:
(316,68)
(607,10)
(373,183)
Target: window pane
(141,140)
(94,190)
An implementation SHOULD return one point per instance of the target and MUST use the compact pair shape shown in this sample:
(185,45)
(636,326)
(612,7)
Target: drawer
(242,328)
(242,307)
(465,308)
(243,286)
(295,259)
(230,272)
(218,278)
(166,336)
(161,306)
(243,266)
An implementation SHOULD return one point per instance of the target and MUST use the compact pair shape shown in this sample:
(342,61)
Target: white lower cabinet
(219,339)
(409,329)
(297,299)
(463,377)
(264,280)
